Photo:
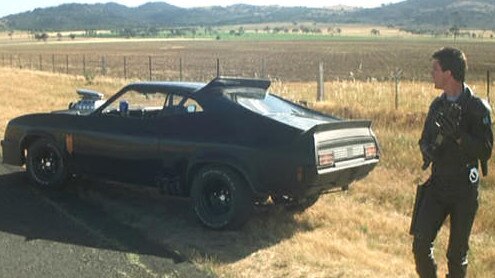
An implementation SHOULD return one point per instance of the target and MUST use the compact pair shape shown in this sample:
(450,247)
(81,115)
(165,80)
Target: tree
(11,33)
(375,32)
(41,36)
(72,36)
(59,36)
(241,31)
(454,30)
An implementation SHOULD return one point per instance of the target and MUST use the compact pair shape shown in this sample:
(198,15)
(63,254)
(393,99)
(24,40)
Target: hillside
(411,13)
(158,14)
(431,13)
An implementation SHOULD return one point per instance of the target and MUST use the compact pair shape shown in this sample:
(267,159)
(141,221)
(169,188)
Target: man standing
(456,140)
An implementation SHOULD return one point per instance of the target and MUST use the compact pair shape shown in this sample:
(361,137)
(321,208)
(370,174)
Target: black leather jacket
(451,159)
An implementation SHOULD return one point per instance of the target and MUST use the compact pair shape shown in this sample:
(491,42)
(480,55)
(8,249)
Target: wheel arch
(29,138)
(196,165)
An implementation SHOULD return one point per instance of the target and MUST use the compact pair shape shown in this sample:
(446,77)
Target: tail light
(370,151)
(326,158)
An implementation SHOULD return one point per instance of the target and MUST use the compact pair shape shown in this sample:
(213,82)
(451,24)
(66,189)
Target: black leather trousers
(457,199)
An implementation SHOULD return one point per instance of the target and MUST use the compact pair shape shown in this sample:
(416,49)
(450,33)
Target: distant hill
(434,13)
(412,13)
(158,14)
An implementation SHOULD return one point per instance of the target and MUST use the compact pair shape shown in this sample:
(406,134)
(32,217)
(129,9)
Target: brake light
(370,151)
(326,158)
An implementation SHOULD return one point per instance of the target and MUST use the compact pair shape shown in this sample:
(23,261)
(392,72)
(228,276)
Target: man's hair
(452,59)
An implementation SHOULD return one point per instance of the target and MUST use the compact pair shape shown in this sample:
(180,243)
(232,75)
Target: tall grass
(359,233)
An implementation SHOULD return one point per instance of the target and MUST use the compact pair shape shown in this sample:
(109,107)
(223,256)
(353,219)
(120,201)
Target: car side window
(176,104)
(137,104)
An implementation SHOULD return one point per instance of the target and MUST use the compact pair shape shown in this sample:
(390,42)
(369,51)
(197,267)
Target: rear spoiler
(223,82)
(339,125)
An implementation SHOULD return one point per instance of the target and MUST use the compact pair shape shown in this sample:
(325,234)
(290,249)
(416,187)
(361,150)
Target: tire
(46,165)
(221,198)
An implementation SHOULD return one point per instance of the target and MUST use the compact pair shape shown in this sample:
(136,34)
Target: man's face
(440,77)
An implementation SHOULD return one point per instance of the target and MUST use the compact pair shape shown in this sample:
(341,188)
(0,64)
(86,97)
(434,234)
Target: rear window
(269,104)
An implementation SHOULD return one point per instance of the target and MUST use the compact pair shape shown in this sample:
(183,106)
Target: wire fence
(136,67)
(168,68)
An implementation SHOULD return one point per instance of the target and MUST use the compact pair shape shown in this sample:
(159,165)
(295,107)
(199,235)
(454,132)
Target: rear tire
(46,165)
(221,198)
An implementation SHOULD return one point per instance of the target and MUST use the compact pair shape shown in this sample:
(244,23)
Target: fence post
(84,64)
(218,67)
(41,62)
(3,60)
(103,66)
(263,68)
(11,61)
(488,83)
(66,64)
(53,62)
(150,68)
(397,75)
(321,84)
(125,68)
(180,69)
(19,61)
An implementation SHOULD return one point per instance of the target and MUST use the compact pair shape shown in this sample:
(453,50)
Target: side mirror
(191,108)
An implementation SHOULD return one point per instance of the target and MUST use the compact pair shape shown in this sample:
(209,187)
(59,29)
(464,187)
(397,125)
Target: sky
(8,7)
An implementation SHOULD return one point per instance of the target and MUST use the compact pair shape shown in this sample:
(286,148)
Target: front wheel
(45,165)
(221,198)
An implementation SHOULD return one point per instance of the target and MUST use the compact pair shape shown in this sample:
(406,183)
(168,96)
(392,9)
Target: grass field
(359,233)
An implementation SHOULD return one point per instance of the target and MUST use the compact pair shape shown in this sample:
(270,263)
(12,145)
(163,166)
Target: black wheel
(295,205)
(221,198)
(46,166)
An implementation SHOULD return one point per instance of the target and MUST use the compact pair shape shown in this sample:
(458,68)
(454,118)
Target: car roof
(175,87)
(180,87)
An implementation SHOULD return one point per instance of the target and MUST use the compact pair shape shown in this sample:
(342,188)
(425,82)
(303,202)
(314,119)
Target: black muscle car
(228,144)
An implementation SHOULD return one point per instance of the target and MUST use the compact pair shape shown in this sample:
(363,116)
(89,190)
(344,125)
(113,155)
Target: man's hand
(448,121)
(430,154)
(449,127)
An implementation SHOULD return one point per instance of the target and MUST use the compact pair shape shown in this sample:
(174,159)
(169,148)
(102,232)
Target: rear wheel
(221,198)
(45,165)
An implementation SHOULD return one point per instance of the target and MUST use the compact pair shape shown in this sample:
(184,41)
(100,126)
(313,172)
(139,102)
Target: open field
(359,233)
(344,58)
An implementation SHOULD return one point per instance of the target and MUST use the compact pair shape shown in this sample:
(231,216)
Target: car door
(119,145)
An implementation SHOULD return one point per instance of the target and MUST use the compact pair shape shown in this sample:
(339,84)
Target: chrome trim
(347,165)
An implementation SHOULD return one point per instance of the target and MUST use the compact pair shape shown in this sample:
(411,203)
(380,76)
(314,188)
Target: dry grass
(361,233)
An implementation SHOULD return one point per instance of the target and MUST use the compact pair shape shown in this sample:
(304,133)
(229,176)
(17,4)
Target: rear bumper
(11,153)
(338,177)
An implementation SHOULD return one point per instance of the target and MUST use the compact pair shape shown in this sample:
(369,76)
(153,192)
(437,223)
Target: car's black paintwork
(274,155)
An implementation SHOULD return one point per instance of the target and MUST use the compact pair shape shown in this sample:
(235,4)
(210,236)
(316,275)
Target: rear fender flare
(241,168)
